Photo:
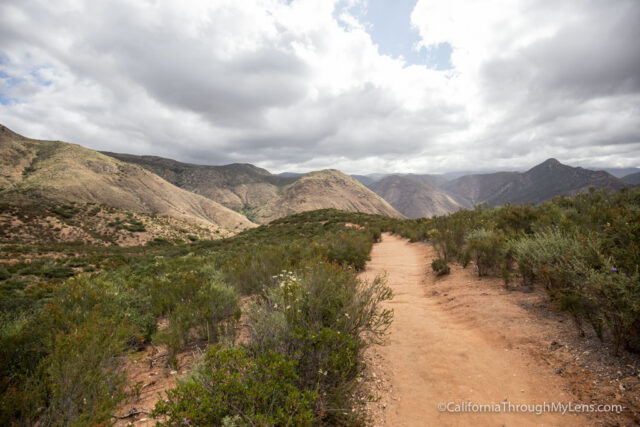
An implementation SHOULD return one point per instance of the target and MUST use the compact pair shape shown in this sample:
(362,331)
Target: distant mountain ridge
(540,183)
(632,179)
(415,198)
(239,186)
(262,196)
(236,195)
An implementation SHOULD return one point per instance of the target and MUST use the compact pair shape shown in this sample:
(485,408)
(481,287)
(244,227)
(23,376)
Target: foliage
(485,248)
(118,295)
(231,384)
(440,267)
(322,317)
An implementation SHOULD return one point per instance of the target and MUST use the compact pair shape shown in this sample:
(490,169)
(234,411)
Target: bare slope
(413,198)
(240,187)
(324,189)
(62,172)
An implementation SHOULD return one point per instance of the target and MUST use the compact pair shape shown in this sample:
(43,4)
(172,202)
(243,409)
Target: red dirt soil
(460,339)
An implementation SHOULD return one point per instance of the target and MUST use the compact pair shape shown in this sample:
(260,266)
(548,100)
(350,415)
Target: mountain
(617,172)
(414,198)
(633,179)
(480,187)
(238,186)
(543,182)
(365,180)
(54,171)
(433,180)
(261,195)
(324,189)
(291,174)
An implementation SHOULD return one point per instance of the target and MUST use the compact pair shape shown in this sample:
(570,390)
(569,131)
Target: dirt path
(436,355)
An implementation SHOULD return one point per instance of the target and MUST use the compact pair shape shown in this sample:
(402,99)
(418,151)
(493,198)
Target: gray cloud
(287,87)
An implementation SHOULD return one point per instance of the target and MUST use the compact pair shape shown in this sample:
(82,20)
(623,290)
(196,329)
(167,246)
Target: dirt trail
(437,355)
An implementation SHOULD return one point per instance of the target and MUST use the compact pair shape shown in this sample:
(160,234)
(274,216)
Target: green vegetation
(440,267)
(584,250)
(68,318)
(130,223)
(70,311)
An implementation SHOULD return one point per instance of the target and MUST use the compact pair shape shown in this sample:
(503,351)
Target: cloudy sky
(361,85)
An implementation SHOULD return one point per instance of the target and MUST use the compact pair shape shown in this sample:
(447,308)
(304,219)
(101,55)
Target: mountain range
(234,197)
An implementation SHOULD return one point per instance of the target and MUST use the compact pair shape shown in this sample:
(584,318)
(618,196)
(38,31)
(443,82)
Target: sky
(364,86)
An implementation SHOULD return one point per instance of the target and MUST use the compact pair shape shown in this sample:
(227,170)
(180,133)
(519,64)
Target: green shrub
(440,267)
(351,250)
(485,248)
(197,308)
(231,384)
(322,317)
(615,299)
(254,270)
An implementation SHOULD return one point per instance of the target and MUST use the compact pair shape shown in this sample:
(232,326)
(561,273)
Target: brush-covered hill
(239,186)
(53,171)
(543,182)
(327,188)
(414,198)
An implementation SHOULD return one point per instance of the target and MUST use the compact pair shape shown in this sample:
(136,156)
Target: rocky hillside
(53,171)
(414,198)
(324,189)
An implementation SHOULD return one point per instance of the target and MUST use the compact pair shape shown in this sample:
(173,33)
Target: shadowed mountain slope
(543,182)
(414,198)
(633,179)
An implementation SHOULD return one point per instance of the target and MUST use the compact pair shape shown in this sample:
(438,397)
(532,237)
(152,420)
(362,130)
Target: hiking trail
(438,353)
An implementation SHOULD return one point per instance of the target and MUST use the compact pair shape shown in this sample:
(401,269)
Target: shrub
(322,317)
(615,299)
(440,267)
(196,307)
(83,380)
(254,270)
(231,384)
(351,250)
(485,248)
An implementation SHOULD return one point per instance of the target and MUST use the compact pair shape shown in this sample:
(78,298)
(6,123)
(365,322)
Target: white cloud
(287,86)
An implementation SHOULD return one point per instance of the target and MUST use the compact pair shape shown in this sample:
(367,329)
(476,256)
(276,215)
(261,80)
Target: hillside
(413,198)
(324,189)
(633,179)
(241,187)
(61,172)
(543,182)
(551,178)
(478,188)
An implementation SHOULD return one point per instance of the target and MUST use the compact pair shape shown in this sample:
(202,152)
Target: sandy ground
(441,350)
